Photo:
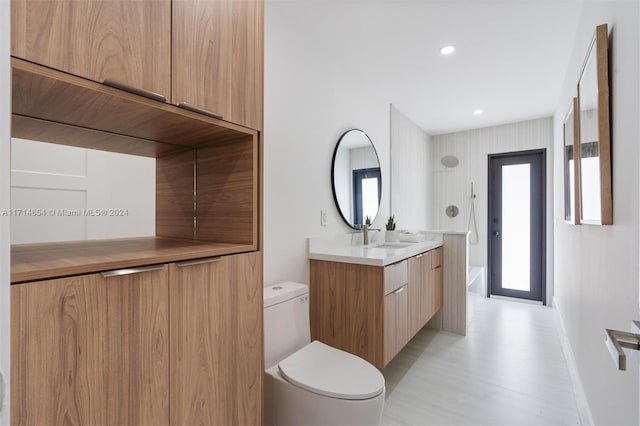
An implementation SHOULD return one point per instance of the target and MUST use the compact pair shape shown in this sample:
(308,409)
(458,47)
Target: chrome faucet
(365,233)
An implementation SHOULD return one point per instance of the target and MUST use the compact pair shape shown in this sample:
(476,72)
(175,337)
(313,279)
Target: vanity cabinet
(177,344)
(125,41)
(425,288)
(396,330)
(373,311)
(91,349)
(217,58)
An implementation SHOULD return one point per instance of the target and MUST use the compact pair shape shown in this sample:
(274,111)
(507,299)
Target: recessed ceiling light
(477,112)
(447,50)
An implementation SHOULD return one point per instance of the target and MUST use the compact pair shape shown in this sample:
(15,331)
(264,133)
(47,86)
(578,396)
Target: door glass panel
(370,200)
(516,225)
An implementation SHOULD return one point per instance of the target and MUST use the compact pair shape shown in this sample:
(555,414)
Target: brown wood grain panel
(31,262)
(127,41)
(48,131)
(415,291)
(395,276)
(436,257)
(217,62)
(347,308)
(175,195)
(396,329)
(216,351)
(227,192)
(47,94)
(604,126)
(437,292)
(91,350)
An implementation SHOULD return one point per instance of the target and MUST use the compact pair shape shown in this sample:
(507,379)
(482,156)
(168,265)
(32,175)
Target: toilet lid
(328,371)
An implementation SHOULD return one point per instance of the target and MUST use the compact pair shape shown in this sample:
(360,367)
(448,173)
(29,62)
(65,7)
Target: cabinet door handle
(438,267)
(199,261)
(206,112)
(129,271)
(400,290)
(136,90)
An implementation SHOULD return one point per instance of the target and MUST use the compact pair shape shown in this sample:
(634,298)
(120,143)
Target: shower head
(450,161)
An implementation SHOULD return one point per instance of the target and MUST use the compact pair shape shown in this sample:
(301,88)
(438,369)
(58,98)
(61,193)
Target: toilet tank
(286,321)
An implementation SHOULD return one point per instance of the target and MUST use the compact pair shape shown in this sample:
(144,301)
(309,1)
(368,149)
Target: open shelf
(30,262)
(207,172)
(66,107)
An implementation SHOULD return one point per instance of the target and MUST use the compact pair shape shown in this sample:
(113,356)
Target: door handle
(496,233)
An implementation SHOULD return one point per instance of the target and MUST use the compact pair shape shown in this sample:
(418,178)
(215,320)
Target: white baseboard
(581,398)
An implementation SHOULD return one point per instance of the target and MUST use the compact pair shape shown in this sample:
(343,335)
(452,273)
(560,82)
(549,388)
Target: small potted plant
(390,225)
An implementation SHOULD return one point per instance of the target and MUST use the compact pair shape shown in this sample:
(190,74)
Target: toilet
(311,383)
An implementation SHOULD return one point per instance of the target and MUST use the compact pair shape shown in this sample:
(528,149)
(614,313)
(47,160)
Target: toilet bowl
(311,383)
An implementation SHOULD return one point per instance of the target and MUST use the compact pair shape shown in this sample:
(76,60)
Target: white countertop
(377,254)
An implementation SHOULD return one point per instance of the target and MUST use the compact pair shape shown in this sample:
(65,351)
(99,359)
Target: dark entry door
(517,183)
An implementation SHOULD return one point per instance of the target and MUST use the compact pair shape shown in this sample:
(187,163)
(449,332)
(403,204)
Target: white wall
(596,267)
(453,185)
(310,101)
(411,177)
(5,137)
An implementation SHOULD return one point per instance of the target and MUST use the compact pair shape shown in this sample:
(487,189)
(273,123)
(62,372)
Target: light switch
(323,218)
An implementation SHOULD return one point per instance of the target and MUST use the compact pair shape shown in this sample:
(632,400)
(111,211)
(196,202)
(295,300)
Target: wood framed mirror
(571,164)
(595,191)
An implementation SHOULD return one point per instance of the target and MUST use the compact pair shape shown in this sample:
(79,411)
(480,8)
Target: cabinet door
(396,331)
(217,49)
(216,341)
(415,290)
(125,41)
(91,350)
(436,280)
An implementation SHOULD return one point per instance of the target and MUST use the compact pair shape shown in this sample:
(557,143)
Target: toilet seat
(328,371)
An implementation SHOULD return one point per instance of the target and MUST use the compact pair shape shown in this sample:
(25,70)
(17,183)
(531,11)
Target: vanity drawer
(436,258)
(395,276)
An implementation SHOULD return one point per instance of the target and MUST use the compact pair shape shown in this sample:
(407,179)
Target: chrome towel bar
(617,340)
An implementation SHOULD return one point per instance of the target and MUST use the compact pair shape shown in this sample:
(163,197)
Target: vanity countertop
(380,254)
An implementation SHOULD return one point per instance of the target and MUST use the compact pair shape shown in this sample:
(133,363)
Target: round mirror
(356,178)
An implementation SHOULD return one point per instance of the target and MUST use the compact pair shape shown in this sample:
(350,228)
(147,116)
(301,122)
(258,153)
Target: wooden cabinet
(206,53)
(373,311)
(396,330)
(425,288)
(91,350)
(216,341)
(436,279)
(125,41)
(176,344)
(217,58)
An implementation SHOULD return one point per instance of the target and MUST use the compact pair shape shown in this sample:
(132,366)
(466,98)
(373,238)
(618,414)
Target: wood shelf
(30,262)
(67,107)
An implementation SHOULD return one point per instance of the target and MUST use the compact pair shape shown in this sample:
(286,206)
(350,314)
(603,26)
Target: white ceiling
(510,61)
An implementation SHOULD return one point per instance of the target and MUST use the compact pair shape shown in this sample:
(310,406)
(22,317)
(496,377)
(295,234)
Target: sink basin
(394,245)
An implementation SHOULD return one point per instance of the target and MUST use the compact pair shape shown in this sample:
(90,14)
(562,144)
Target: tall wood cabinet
(91,349)
(174,336)
(125,41)
(216,341)
(206,54)
(217,58)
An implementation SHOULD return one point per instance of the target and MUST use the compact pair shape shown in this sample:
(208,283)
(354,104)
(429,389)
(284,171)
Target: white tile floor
(508,370)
